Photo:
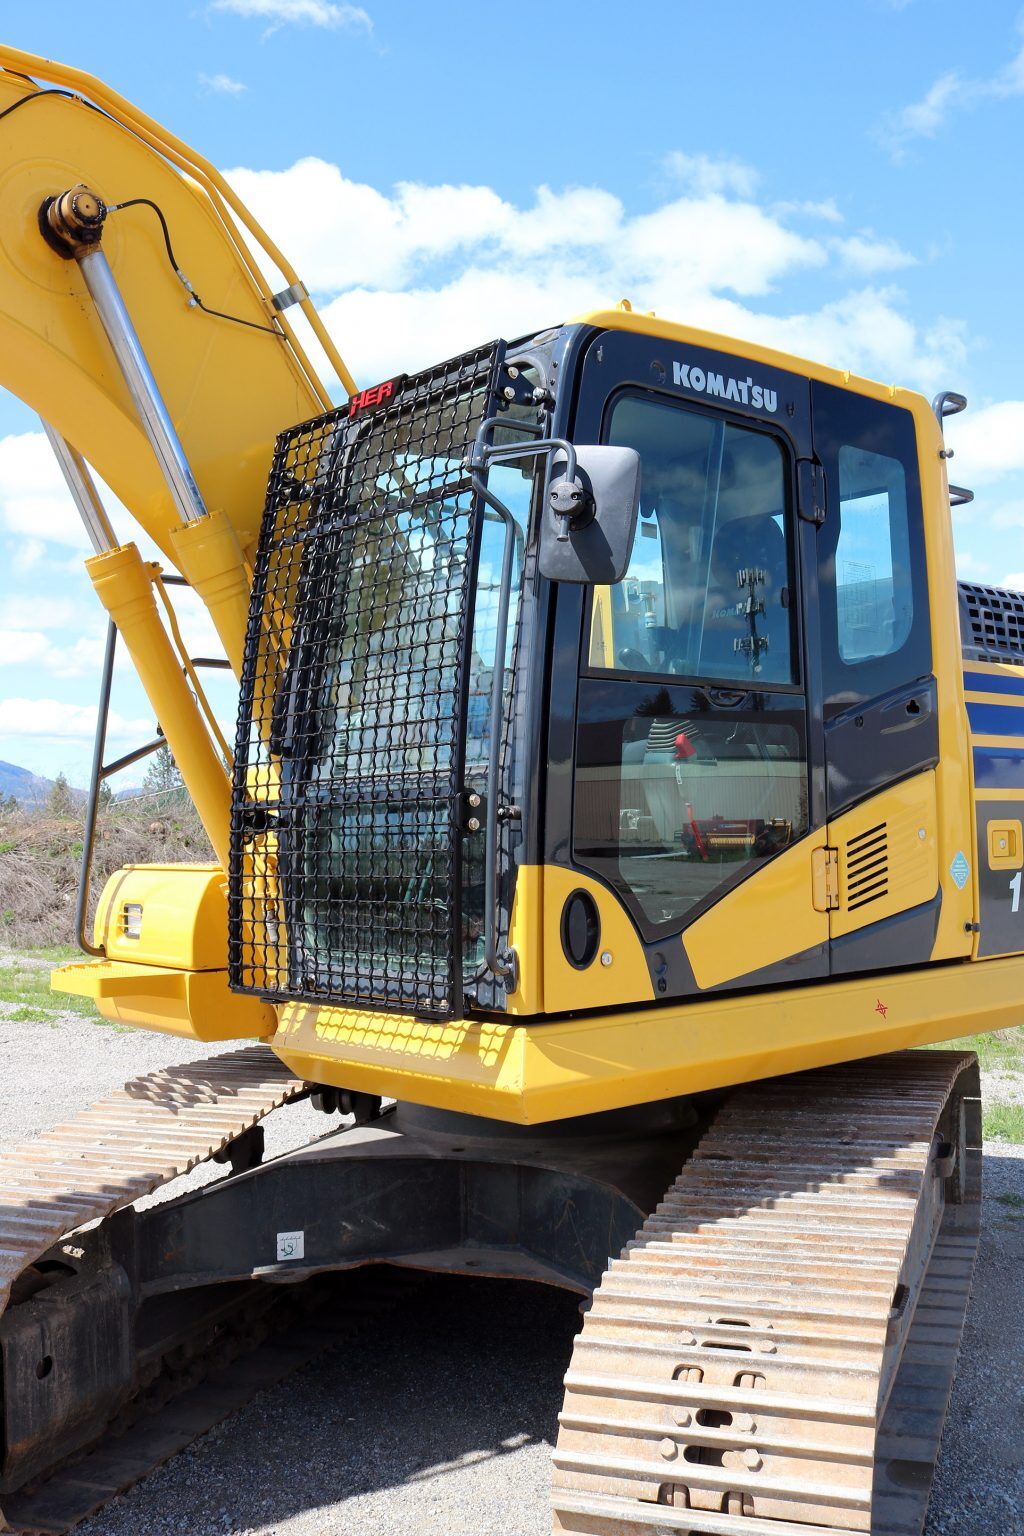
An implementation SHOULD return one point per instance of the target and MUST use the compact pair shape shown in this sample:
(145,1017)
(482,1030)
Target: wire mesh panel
(348,790)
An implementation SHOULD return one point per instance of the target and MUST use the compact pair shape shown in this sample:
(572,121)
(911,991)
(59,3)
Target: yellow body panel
(908,814)
(184,916)
(767,919)
(528,1074)
(526,937)
(197,1005)
(172,977)
(624,978)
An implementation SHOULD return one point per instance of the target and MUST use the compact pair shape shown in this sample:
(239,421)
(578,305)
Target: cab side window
(875,600)
(872,576)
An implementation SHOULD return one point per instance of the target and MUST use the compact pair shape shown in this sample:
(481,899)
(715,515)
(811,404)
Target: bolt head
(669,1449)
(606,957)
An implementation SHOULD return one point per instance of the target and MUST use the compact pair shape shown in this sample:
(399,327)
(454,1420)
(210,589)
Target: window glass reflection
(708,590)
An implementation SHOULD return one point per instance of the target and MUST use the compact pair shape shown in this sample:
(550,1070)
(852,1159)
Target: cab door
(878,692)
(697,790)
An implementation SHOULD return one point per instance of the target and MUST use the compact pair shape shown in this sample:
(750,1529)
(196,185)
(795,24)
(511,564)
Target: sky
(835,179)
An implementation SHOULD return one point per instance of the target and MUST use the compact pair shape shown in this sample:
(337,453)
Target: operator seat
(747,544)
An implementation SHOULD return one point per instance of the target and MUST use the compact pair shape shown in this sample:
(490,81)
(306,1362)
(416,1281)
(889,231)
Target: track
(124,1146)
(772,1355)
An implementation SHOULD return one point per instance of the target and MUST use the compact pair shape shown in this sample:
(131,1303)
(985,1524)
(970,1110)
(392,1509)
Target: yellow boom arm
(178,257)
(229,388)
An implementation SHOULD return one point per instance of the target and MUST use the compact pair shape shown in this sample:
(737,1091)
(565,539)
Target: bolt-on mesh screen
(348,791)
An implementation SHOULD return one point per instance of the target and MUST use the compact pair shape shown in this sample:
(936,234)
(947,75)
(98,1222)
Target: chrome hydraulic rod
(72,224)
(142,386)
(83,489)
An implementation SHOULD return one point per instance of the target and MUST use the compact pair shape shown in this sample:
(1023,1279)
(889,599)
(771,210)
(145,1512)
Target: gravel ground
(441,1421)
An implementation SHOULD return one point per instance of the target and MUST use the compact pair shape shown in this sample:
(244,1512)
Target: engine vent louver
(866,867)
(991,623)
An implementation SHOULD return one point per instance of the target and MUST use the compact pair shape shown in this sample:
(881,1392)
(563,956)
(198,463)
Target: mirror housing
(587,524)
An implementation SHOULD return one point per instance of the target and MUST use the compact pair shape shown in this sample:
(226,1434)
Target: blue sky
(836,179)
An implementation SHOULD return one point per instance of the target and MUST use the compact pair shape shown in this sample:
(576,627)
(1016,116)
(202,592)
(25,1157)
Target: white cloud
(34,501)
(969,567)
(343,233)
(826,210)
(420,272)
(222,85)
(56,720)
(867,254)
(80,657)
(312,13)
(25,613)
(21,647)
(26,554)
(951,92)
(987,443)
(1015,581)
(708,174)
(924,118)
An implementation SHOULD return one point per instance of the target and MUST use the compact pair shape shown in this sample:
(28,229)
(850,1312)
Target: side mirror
(587,523)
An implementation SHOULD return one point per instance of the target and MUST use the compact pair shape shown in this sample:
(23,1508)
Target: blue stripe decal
(994,682)
(999,767)
(996,719)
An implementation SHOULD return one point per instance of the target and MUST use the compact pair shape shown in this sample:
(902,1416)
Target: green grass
(999,1052)
(1004,1122)
(1013,1200)
(1004,1050)
(58,953)
(28,986)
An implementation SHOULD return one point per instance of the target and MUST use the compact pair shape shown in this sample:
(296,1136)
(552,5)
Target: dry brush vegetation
(40,856)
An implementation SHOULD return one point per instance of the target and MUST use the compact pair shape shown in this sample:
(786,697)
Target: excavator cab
(565,655)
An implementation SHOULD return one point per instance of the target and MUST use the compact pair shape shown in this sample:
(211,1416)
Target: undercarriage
(822,1227)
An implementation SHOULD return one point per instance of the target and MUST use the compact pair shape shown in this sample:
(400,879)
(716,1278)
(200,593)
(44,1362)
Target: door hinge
(810,486)
(825,879)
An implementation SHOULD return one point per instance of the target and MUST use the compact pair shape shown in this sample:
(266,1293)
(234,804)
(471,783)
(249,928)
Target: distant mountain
(27,788)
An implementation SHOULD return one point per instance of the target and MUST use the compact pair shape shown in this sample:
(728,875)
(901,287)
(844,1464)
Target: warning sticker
(291,1245)
(960,870)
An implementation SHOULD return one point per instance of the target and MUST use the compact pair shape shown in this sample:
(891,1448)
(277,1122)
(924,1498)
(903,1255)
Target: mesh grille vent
(867,867)
(991,623)
(345,831)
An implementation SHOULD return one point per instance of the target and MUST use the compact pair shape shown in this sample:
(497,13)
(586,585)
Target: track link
(802,1275)
(124,1146)
(129,1143)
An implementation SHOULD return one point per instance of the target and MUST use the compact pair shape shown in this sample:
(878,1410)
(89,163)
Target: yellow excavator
(622,786)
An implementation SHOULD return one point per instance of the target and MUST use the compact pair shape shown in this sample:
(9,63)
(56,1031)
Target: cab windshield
(707,593)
